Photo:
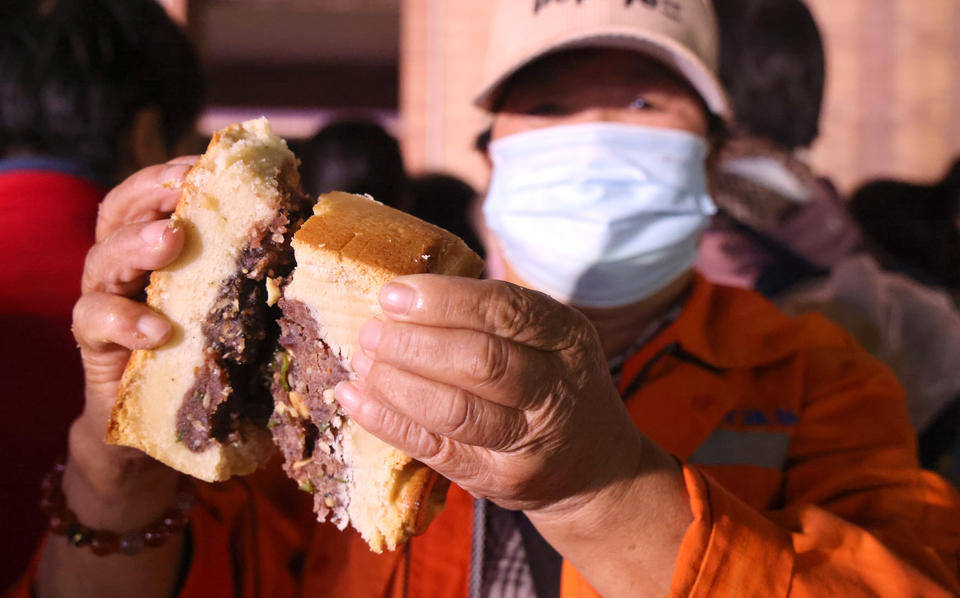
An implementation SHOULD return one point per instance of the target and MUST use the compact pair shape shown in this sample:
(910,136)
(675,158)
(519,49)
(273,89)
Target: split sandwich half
(266,300)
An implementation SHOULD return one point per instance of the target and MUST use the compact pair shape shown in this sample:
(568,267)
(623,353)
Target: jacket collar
(720,329)
(730,328)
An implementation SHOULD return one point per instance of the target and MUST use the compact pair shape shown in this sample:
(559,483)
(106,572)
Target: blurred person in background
(785,232)
(915,229)
(448,202)
(772,65)
(90,91)
(356,156)
(627,427)
(359,156)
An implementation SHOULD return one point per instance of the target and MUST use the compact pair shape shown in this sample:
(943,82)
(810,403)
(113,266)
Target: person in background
(448,202)
(360,156)
(614,424)
(355,156)
(90,91)
(771,57)
(786,233)
(915,229)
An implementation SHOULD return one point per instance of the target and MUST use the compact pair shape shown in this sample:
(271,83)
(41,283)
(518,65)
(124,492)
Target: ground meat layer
(307,421)
(232,385)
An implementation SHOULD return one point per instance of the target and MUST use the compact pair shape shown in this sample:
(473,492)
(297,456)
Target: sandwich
(199,403)
(266,300)
(344,254)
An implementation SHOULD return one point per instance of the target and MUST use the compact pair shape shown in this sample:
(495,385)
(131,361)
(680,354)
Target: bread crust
(345,253)
(383,240)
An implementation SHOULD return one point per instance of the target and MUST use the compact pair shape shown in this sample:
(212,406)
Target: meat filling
(240,333)
(307,421)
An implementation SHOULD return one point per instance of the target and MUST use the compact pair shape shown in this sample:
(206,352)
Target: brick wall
(893,88)
(442,44)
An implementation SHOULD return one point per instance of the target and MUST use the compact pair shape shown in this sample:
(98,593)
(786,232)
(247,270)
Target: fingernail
(370,334)
(397,298)
(173,227)
(153,233)
(153,327)
(361,364)
(348,395)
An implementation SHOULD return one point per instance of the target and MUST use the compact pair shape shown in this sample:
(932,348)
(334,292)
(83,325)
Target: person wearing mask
(627,428)
(786,233)
(90,91)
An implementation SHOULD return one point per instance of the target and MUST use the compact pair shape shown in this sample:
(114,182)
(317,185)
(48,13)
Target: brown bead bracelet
(63,521)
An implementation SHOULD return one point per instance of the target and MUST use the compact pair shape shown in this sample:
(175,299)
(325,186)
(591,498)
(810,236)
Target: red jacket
(47,222)
(799,463)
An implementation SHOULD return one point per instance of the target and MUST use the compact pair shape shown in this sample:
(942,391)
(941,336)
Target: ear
(146,144)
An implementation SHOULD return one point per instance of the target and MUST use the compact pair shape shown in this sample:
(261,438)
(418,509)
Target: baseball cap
(681,34)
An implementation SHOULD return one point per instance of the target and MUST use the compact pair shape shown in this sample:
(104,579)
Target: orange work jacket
(799,463)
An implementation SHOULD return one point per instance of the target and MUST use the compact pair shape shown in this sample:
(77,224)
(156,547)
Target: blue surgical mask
(599,214)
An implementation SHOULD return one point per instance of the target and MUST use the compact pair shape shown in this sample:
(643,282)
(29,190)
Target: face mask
(599,214)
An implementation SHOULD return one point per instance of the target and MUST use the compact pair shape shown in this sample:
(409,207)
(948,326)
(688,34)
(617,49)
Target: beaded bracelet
(63,521)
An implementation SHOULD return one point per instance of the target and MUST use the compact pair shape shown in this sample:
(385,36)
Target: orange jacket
(798,459)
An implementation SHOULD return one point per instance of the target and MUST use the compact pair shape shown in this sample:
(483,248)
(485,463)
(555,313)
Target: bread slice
(200,402)
(345,253)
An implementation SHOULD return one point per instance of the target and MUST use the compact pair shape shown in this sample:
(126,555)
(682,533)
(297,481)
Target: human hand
(109,487)
(501,389)
(133,238)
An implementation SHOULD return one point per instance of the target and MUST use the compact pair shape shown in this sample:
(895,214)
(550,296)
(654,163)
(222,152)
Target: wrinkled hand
(132,239)
(501,389)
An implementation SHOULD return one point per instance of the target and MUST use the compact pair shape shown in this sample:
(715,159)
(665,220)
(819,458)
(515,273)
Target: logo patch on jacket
(757,447)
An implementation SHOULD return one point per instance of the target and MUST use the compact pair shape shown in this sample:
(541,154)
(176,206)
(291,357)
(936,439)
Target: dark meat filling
(195,417)
(307,421)
(236,327)
(269,251)
(240,332)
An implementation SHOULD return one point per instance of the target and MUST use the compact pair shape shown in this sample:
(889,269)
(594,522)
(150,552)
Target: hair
(356,157)
(952,180)
(914,227)
(772,65)
(446,201)
(74,73)
(481,142)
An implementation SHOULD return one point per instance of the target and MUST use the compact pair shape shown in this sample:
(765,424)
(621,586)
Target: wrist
(585,512)
(627,534)
(647,479)
(625,537)
(113,487)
